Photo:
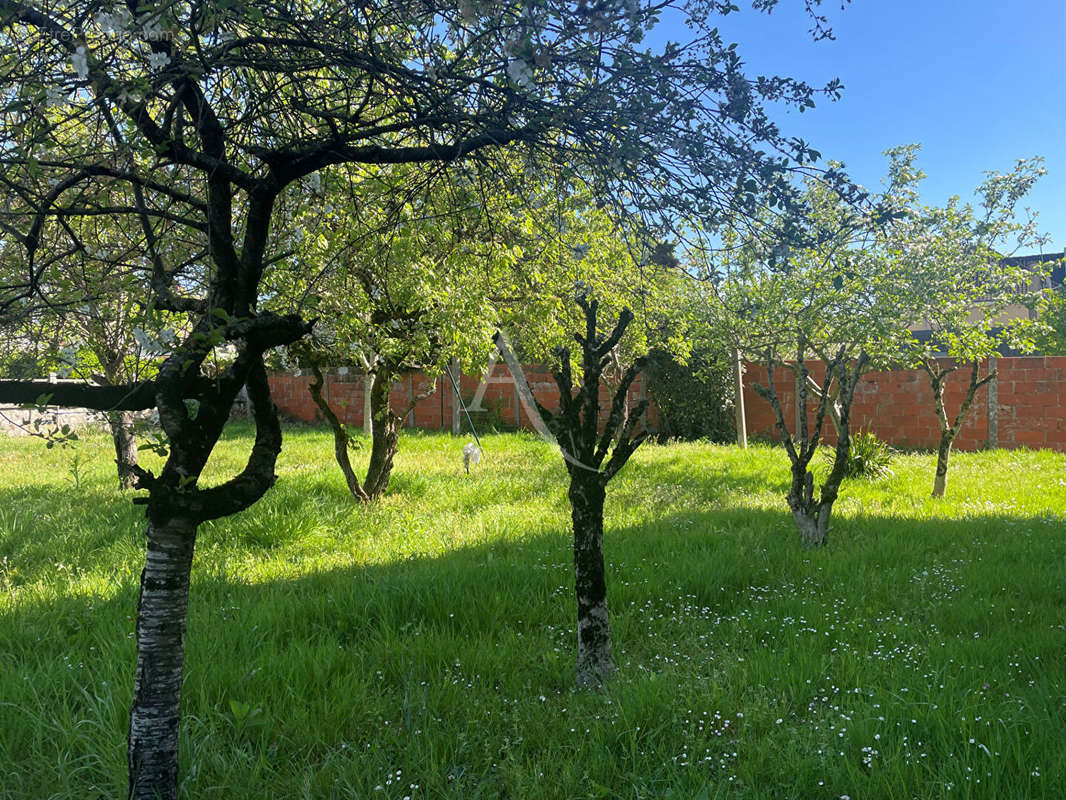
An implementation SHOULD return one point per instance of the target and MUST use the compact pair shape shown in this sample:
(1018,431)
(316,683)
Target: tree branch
(137,396)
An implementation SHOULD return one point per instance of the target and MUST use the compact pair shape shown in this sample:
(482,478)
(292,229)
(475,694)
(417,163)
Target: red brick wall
(345,394)
(1032,402)
(897,405)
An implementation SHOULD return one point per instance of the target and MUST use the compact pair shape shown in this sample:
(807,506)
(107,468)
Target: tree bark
(949,429)
(943,455)
(368,405)
(594,664)
(813,526)
(811,516)
(340,436)
(384,440)
(121,424)
(161,614)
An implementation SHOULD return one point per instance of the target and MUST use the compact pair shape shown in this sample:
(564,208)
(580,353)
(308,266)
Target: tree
(405,283)
(208,115)
(91,320)
(971,300)
(585,445)
(829,298)
(563,238)
(416,280)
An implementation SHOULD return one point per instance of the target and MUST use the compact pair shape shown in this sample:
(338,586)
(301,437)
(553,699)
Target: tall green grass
(423,647)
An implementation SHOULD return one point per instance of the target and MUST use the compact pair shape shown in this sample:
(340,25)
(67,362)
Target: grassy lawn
(424,648)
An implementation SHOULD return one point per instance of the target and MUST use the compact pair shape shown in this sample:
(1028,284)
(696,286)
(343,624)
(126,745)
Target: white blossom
(513,46)
(113,22)
(149,345)
(106,23)
(80,62)
(158,60)
(69,356)
(54,96)
(521,73)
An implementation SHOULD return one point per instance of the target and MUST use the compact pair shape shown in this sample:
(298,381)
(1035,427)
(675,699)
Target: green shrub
(868,457)
(695,399)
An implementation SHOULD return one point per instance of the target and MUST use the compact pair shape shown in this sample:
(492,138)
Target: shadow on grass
(714,554)
(41,527)
(496,618)
(714,480)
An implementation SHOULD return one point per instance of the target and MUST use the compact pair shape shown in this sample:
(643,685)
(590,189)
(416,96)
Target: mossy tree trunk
(594,665)
(812,514)
(384,430)
(585,445)
(121,424)
(938,373)
(385,437)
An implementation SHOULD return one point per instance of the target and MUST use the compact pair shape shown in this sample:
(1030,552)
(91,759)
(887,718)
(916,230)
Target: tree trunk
(594,664)
(811,516)
(368,404)
(813,525)
(121,423)
(161,613)
(341,440)
(613,379)
(624,420)
(340,453)
(943,455)
(948,429)
(384,439)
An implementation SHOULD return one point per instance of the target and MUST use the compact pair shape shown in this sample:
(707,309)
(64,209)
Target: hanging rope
(462,405)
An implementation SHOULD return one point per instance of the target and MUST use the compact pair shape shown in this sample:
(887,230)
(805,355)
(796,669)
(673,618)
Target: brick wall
(500,400)
(897,405)
(1032,402)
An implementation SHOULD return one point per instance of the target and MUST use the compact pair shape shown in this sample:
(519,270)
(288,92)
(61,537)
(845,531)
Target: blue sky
(978,83)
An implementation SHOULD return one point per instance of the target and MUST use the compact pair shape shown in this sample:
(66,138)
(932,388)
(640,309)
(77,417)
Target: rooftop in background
(1054,279)
(1058,273)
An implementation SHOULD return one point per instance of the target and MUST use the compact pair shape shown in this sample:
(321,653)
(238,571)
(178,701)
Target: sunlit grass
(425,645)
